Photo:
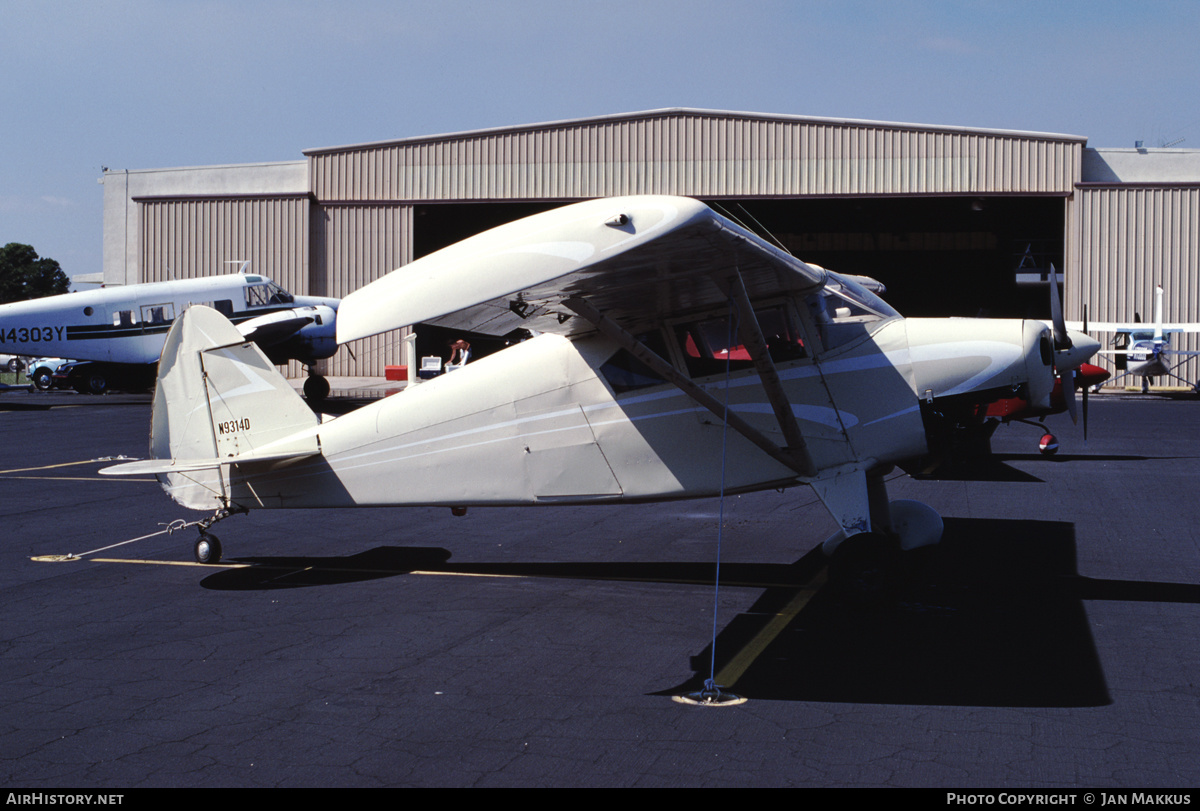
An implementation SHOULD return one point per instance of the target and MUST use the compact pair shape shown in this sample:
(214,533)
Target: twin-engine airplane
(122,329)
(1144,350)
(664,334)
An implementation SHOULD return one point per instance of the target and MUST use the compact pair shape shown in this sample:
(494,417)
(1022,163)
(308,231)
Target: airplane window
(843,310)
(707,345)
(260,295)
(257,295)
(279,295)
(779,330)
(624,372)
(158,313)
(123,318)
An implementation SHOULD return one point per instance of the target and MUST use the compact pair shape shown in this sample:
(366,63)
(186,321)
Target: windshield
(844,310)
(261,295)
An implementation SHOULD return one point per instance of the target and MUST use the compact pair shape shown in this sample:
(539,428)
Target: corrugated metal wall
(193,238)
(698,155)
(190,238)
(1131,239)
(354,245)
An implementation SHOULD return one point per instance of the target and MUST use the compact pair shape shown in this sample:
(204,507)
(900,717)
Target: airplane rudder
(218,395)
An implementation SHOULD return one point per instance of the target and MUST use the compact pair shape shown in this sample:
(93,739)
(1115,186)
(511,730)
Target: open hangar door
(439,225)
(938,256)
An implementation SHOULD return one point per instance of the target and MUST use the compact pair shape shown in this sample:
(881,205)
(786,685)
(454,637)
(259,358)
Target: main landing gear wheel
(316,389)
(208,549)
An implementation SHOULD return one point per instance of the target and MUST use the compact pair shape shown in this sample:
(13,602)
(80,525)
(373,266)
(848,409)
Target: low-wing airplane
(122,329)
(1143,350)
(676,355)
(1070,381)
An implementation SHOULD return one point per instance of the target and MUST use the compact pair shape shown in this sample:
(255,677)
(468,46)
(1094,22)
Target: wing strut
(752,337)
(797,459)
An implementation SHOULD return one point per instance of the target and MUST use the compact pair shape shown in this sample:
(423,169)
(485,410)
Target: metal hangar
(954,220)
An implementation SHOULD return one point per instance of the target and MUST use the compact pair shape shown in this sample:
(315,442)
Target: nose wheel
(208,549)
(316,389)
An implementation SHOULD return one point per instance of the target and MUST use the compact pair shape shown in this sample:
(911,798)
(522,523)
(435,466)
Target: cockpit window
(624,372)
(708,345)
(843,309)
(262,295)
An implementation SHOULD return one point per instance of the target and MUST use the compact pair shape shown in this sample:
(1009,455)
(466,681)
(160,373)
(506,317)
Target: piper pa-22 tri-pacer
(121,329)
(663,333)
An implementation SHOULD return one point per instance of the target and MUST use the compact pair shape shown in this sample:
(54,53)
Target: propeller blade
(1085,403)
(1068,387)
(1061,339)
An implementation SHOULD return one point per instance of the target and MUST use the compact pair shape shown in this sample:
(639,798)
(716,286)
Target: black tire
(316,389)
(43,379)
(14,365)
(207,549)
(96,383)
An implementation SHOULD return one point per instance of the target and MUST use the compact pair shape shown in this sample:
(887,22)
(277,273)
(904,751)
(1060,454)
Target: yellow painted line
(736,667)
(291,569)
(727,677)
(295,570)
(172,563)
(805,593)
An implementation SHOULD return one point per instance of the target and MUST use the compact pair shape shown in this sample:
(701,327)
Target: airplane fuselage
(553,420)
(127,325)
(1146,358)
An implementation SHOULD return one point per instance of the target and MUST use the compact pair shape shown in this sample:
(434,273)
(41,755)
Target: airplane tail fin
(219,402)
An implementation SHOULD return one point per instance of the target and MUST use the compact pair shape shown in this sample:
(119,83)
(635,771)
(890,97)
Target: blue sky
(140,84)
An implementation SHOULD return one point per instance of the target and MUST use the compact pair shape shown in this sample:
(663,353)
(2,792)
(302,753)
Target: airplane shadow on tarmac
(992,616)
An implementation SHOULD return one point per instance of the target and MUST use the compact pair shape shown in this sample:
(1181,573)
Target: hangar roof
(697,153)
(699,112)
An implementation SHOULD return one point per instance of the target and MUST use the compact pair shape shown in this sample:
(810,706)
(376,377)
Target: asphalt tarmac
(1052,640)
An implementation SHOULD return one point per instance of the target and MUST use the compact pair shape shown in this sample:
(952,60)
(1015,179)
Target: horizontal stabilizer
(154,467)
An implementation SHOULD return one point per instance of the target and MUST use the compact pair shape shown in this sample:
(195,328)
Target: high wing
(1132,326)
(1156,325)
(638,260)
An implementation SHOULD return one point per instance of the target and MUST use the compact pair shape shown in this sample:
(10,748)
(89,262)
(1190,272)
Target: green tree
(25,275)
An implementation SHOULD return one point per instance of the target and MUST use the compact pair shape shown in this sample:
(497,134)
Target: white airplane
(1143,349)
(650,315)
(122,329)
